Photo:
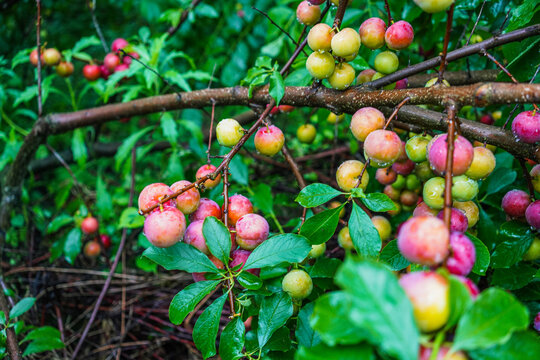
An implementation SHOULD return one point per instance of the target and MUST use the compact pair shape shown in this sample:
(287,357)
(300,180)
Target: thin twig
(517,105)
(501,66)
(528,178)
(294,167)
(210,132)
(342,6)
(450,18)
(476,23)
(396,110)
(39,64)
(387,7)
(183,17)
(226,197)
(115,263)
(96,25)
(452,111)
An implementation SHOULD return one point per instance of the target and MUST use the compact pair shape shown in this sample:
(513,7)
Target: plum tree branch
(517,35)
(451,109)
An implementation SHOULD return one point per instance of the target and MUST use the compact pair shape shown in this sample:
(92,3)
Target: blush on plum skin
(164,228)
(515,203)
(382,147)
(526,126)
(372,33)
(385,176)
(532,214)
(308,14)
(399,35)
(458,220)
(188,201)
(463,256)
(153,193)
(206,170)
(251,230)
(269,140)
(365,121)
(424,240)
(239,206)
(463,154)
(206,208)
(194,236)
(240,257)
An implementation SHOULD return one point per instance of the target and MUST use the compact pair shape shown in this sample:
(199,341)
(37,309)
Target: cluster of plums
(112,62)
(52,57)
(332,49)
(92,248)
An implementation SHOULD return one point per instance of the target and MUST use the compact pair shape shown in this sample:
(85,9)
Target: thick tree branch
(495,41)
(455,78)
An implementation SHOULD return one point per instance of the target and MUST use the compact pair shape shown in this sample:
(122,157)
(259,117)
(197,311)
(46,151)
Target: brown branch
(294,167)
(96,25)
(528,179)
(465,51)
(226,197)
(115,263)
(387,8)
(183,17)
(210,133)
(11,339)
(455,78)
(451,109)
(501,66)
(450,19)
(342,6)
(396,110)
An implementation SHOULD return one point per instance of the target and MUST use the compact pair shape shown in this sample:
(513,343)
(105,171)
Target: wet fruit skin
(239,206)
(206,208)
(306,133)
(320,65)
(382,147)
(298,284)
(399,35)
(403,168)
(515,203)
(366,120)
(458,220)
(317,251)
(240,256)
(464,188)
(269,140)
(533,253)
(111,61)
(416,148)
(152,194)
(320,37)
(308,14)
(194,236)
(383,227)
(386,62)
(470,209)
(463,254)
(424,240)
(347,175)
(92,249)
(482,165)
(345,240)
(105,241)
(165,228)
(385,176)
(229,132)
(251,231)
(423,210)
(429,295)
(188,201)
(345,43)
(342,77)
(206,170)
(433,193)
(118,44)
(463,154)
(532,214)
(90,225)
(434,6)
(365,76)
(535,177)
(372,33)
(526,126)
(91,72)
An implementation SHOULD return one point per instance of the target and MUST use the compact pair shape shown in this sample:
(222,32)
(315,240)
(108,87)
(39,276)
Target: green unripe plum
(423,171)
(470,209)
(342,77)
(298,284)
(482,165)
(464,188)
(386,62)
(335,204)
(379,75)
(229,132)
(400,182)
(306,133)
(346,43)
(416,148)
(320,65)
(317,250)
(320,37)
(348,173)
(434,6)
(534,251)
(344,239)
(433,194)
(333,118)
(535,177)
(412,182)
(383,227)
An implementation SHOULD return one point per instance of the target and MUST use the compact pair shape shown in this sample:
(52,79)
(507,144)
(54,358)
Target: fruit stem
(387,7)
(451,109)
(342,6)
(450,18)
(439,338)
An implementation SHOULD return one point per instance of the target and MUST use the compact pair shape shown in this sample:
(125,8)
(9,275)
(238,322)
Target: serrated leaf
(207,326)
(185,301)
(130,218)
(491,320)
(316,194)
(320,227)
(232,340)
(364,235)
(378,202)
(278,249)
(391,255)
(181,256)
(218,238)
(274,313)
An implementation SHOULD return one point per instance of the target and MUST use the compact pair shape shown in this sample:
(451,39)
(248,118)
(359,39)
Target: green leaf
(131,219)
(103,199)
(40,345)
(482,255)
(78,147)
(44,332)
(499,179)
(218,238)
(304,332)
(125,149)
(59,222)
(515,239)
(316,194)
(325,352)
(73,245)
(185,301)
(380,308)
(249,281)
(232,340)
(21,307)
(522,342)
(207,326)
(515,277)
(274,313)
(169,128)
(181,256)
(378,202)
(364,235)
(86,42)
(460,300)
(277,87)
(324,268)
(391,255)
(320,227)
(491,320)
(262,198)
(278,249)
